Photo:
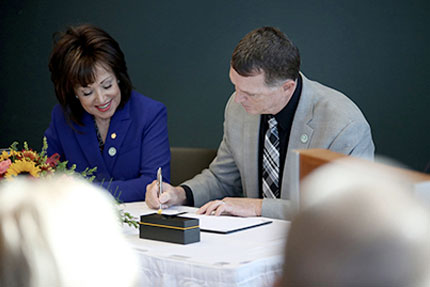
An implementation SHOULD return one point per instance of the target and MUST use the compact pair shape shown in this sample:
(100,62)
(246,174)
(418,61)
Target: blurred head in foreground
(61,231)
(358,227)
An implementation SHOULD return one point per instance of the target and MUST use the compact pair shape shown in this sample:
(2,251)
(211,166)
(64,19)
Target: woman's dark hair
(73,60)
(267,49)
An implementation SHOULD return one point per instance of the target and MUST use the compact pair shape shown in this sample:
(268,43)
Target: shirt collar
(286,115)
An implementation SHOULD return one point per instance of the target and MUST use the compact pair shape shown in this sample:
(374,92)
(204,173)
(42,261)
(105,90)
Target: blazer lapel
(87,139)
(118,129)
(301,131)
(250,143)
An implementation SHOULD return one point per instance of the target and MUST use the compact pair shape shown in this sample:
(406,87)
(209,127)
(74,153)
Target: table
(251,257)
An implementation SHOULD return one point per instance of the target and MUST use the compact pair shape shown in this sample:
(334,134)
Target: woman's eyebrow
(108,78)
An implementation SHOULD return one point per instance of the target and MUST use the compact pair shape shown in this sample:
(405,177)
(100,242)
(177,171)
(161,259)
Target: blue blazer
(136,146)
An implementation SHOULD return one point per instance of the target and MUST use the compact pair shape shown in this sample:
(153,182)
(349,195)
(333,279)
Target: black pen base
(168,228)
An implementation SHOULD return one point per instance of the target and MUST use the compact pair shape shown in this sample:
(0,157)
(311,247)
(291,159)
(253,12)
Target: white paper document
(226,224)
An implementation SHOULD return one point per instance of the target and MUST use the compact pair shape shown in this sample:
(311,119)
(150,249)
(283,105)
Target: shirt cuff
(189,195)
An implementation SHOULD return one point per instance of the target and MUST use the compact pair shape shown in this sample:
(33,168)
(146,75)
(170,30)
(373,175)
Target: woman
(100,122)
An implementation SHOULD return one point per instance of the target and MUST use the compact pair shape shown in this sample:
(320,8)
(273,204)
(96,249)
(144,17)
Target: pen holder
(169,228)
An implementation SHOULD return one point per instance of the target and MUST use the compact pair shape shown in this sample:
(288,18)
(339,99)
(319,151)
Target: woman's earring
(117,81)
(76,97)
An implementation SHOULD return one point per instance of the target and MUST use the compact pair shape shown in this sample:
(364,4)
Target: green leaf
(44,148)
(13,146)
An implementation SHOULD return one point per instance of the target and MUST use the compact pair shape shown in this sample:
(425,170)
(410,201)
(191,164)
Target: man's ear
(289,86)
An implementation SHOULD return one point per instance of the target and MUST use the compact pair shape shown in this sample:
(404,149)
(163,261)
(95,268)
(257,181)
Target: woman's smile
(105,107)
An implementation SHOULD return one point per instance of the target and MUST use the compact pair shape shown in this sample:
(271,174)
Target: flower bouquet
(15,162)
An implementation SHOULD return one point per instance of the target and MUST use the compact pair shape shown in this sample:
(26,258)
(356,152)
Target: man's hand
(237,206)
(171,195)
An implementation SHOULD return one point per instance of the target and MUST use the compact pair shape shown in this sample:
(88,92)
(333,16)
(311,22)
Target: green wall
(178,52)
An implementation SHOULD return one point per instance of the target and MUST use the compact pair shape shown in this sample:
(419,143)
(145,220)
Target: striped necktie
(271,160)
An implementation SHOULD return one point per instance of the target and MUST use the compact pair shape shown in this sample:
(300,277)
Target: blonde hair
(61,231)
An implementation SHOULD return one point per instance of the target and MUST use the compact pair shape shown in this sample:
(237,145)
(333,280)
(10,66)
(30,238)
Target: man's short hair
(269,50)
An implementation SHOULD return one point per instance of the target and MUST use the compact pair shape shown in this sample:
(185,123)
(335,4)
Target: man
(274,110)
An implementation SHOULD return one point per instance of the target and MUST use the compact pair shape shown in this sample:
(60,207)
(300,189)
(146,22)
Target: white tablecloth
(251,257)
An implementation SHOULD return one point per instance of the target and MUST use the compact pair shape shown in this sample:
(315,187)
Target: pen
(160,186)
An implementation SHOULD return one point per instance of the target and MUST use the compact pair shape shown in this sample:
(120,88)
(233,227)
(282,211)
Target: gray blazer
(325,118)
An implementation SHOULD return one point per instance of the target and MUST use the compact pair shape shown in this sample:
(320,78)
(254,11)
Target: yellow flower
(22,166)
(6,155)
